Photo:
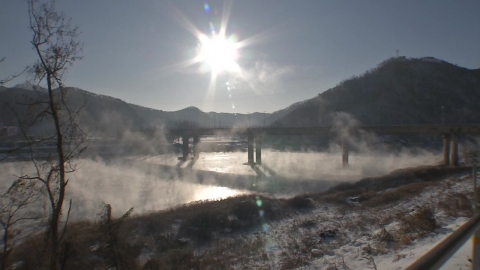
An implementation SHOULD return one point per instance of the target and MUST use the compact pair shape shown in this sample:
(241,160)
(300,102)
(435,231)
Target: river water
(151,183)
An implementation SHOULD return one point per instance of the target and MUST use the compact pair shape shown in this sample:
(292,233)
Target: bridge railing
(441,253)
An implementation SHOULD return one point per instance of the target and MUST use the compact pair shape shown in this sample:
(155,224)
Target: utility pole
(248,123)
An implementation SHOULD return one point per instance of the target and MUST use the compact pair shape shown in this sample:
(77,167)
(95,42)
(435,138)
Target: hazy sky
(133,49)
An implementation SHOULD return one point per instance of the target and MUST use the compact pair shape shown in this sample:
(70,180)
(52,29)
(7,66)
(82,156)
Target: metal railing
(441,253)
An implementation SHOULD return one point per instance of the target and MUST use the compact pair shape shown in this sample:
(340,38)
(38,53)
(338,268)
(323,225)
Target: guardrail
(441,253)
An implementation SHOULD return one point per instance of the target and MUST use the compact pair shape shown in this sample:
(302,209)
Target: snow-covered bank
(333,237)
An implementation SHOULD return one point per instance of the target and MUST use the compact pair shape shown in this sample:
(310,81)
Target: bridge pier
(196,152)
(450,135)
(446,149)
(258,150)
(185,149)
(251,140)
(345,151)
(454,151)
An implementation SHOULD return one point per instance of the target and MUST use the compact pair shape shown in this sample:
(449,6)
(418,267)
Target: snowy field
(356,240)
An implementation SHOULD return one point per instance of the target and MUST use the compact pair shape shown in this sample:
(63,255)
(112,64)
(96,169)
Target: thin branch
(11,77)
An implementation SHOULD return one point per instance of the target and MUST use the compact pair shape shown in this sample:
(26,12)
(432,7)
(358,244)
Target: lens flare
(259,202)
(212,28)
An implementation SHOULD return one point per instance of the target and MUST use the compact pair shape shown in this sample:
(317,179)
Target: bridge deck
(331,130)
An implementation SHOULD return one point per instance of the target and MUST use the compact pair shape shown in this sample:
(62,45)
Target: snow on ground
(332,238)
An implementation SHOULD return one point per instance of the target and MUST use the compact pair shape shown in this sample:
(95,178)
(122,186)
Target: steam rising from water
(159,182)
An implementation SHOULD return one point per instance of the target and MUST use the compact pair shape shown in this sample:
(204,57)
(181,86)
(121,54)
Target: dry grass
(301,202)
(392,196)
(417,224)
(384,190)
(456,205)
(218,234)
(197,224)
(293,261)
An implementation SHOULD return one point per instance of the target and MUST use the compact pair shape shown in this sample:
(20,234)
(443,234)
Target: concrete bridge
(449,133)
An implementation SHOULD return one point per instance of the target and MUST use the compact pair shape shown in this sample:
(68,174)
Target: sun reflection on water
(216,193)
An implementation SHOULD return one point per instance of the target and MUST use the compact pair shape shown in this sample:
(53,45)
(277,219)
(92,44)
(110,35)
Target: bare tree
(11,77)
(57,47)
(15,208)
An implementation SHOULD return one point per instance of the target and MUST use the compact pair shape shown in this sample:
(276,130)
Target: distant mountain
(101,115)
(28,86)
(399,91)
(192,116)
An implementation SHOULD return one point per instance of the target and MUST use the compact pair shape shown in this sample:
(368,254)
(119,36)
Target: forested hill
(399,91)
(101,115)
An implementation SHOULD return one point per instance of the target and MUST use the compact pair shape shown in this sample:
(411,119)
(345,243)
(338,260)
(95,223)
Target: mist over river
(151,183)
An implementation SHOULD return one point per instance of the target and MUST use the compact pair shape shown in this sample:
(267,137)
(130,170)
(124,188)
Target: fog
(151,183)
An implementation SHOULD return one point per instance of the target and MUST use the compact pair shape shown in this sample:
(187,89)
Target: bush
(385,236)
(151,264)
(201,226)
(456,205)
(418,224)
(177,259)
(400,193)
(246,210)
(300,202)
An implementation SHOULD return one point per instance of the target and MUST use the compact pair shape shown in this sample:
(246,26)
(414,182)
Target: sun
(218,52)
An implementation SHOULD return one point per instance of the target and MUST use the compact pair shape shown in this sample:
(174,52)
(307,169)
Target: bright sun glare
(219,53)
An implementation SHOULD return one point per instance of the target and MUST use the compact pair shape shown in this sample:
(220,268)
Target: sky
(152,52)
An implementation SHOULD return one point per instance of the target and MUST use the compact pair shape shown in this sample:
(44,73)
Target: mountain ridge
(104,115)
(399,91)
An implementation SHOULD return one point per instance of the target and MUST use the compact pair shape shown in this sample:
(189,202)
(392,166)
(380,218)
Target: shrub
(308,223)
(292,261)
(400,193)
(177,259)
(300,202)
(246,210)
(418,224)
(201,226)
(385,236)
(151,264)
(456,205)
